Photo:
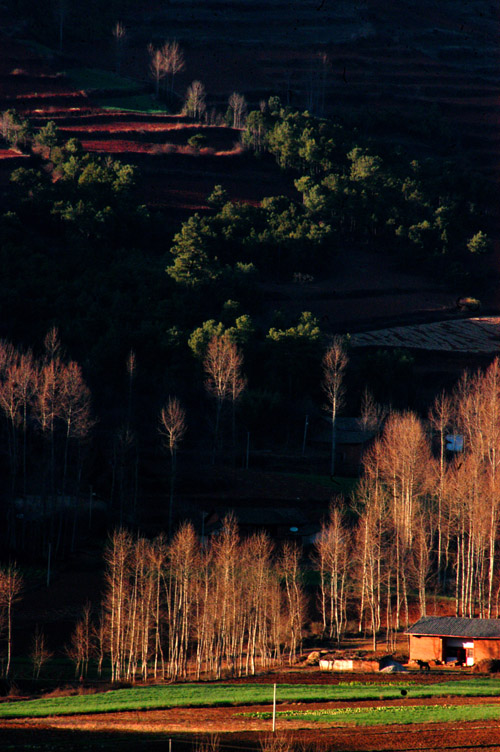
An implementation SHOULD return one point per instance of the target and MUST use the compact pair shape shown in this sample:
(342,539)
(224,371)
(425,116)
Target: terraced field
(174,175)
(387,60)
(440,57)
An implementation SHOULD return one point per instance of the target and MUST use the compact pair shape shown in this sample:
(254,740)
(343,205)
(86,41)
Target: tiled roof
(450,626)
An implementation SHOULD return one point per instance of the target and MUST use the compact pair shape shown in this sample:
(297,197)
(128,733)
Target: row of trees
(47,427)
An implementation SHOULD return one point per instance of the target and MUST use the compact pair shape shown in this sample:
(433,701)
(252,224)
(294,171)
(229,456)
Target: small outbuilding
(448,639)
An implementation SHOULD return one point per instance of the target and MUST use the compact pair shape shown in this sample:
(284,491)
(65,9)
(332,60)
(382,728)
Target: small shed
(352,439)
(450,639)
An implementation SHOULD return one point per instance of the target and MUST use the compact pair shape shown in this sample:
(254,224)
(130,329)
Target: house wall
(429,648)
(426,648)
(486,649)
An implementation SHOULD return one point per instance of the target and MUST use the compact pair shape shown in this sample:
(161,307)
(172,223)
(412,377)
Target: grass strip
(138,103)
(384,715)
(207,695)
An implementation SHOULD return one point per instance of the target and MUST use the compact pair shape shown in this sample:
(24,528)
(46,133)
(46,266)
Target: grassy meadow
(206,695)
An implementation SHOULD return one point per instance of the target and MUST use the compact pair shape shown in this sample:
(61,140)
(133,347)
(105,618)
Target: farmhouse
(454,640)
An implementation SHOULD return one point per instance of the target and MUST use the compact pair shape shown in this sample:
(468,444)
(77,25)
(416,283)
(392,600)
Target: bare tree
(440,419)
(52,345)
(117,558)
(11,585)
(172,430)
(404,459)
(223,363)
(372,414)
(157,65)
(175,61)
(334,364)
(238,105)
(119,33)
(39,654)
(73,409)
(80,647)
(195,100)
(421,560)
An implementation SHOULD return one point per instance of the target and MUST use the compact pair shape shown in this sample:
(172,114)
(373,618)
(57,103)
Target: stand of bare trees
(238,107)
(232,606)
(333,550)
(47,421)
(195,101)
(165,62)
(423,515)
(429,508)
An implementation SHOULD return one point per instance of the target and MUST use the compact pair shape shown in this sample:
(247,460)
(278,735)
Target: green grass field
(135,103)
(205,695)
(383,715)
(338,485)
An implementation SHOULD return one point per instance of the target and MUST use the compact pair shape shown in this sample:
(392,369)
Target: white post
(274,709)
